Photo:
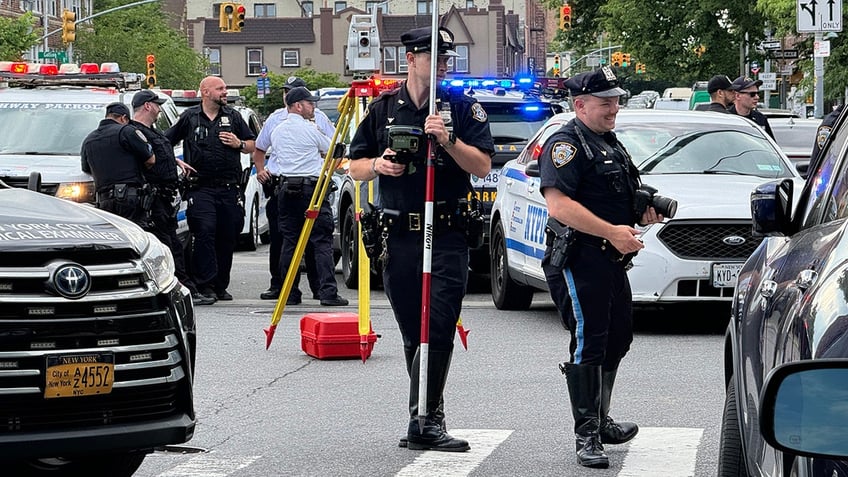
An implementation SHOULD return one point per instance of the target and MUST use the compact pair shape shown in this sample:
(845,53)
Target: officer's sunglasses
(753,94)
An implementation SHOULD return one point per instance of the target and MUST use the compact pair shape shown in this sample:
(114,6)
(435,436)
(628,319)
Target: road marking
(210,466)
(662,452)
(456,464)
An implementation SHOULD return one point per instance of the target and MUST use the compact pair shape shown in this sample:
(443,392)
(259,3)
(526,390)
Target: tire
(101,465)
(731,461)
(350,250)
(506,293)
(250,241)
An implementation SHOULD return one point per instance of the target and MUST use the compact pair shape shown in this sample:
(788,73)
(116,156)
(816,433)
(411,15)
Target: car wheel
(731,462)
(350,250)
(251,239)
(506,294)
(108,465)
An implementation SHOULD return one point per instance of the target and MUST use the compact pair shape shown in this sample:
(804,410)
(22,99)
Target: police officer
(721,96)
(822,133)
(465,148)
(745,101)
(589,183)
(270,180)
(299,147)
(116,154)
(214,137)
(162,179)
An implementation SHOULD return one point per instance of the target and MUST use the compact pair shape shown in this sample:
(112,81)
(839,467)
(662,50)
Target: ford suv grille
(710,239)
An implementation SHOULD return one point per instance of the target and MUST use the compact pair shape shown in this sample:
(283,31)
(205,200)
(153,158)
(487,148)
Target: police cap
(146,96)
(742,82)
(293,82)
(299,94)
(118,109)
(718,82)
(601,83)
(418,41)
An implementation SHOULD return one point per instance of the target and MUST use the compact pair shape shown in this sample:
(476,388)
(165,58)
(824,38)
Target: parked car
(708,162)
(786,344)
(796,137)
(98,340)
(513,119)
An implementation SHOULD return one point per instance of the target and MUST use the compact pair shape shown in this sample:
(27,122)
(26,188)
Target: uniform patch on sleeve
(822,134)
(478,113)
(562,153)
(141,135)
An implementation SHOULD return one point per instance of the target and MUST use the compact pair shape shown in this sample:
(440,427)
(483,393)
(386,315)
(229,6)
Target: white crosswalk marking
(457,464)
(209,465)
(662,452)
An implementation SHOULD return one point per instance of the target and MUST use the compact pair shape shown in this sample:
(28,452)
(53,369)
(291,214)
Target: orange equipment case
(333,335)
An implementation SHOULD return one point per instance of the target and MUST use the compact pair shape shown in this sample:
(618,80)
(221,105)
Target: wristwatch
(241,146)
(451,141)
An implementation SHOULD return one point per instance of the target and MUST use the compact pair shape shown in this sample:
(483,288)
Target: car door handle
(531,187)
(509,182)
(805,279)
(768,288)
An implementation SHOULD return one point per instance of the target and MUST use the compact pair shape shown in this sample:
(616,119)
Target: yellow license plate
(486,196)
(79,375)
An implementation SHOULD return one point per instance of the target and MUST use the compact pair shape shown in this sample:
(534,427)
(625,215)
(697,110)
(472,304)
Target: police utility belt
(563,240)
(120,192)
(293,185)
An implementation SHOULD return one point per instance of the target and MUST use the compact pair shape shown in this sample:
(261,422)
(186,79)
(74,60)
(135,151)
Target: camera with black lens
(646,196)
(406,141)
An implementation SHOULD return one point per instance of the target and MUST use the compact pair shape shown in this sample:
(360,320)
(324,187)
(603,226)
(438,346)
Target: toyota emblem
(733,240)
(70,280)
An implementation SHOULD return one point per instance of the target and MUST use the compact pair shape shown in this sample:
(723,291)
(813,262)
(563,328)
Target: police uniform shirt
(406,192)
(756,116)
(164,171)
(263,142)
(203,149)
(822,133)
(299,146)
(114,154)
(604,184)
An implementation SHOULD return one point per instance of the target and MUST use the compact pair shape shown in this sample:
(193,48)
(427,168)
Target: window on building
(264,10)
(254,61)
(291,58)
(390,60)
(339,6)
(307,8)
(369,6)
(74,6)
(213,55)
(459,64)
(423,7)
(403,67)
(216,10)
(469,3)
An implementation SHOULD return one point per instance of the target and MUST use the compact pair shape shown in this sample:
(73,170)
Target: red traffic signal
(238,22)
(565,17)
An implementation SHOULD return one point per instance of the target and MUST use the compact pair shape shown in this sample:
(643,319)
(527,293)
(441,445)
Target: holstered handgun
(372,231)
(475,222)
(559,238)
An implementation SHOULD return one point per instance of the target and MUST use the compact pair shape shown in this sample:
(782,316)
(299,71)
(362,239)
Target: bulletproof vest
(110,162)
(164,171)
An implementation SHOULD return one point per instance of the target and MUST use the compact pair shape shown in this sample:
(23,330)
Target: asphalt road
(280,412)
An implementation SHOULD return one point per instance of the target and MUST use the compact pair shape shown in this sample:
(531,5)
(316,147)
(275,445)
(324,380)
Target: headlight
(159,262)
(76,191)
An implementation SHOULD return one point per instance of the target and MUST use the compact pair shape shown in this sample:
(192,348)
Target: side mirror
(532,169)
(771,208)
(802,408)
(803,168)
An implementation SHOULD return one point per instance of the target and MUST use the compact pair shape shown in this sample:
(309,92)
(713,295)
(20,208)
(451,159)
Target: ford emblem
(70,280)
(733,240)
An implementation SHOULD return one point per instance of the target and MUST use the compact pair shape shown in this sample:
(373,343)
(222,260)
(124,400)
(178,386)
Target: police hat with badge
(601,83)
(419,41)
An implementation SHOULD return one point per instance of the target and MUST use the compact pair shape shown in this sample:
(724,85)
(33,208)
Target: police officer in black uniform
(822,133)
(465,148)
(721,94)
(745,102)
(116,154)
(589,183)
(214,137)
(162,180)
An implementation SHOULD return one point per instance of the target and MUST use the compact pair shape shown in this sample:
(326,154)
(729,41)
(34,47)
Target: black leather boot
(613,432)
(432,436)
(584,389)
(438,414)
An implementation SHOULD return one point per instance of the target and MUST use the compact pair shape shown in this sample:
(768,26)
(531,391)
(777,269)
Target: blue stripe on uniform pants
(578,314)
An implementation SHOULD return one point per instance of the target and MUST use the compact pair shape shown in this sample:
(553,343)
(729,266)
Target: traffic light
(565,17)
(616,59)
(640,68)
(151,71)
(625,60)
(69,26)
(225,16)
(699,50)
(556,69)
(238,22)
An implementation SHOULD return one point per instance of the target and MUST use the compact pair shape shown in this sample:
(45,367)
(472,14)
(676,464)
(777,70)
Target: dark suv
(514,117)
(786,351)
(97,340)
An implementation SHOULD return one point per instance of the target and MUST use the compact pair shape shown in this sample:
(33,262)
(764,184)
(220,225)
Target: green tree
(18,35)
(128,36)
(274,100)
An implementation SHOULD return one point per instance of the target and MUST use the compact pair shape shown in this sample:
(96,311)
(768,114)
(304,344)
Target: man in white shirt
(299,148)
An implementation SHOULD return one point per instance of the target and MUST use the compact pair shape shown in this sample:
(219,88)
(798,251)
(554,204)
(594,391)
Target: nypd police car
(708,162)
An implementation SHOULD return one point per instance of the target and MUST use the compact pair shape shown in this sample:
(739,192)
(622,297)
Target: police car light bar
(485,83)
(87,74)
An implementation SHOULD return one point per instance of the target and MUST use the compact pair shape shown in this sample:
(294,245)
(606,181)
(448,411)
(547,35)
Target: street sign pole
(818,68)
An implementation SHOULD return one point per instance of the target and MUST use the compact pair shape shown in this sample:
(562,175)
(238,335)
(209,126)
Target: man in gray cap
(590,183)
(268,176)
(721,96)
(745,102)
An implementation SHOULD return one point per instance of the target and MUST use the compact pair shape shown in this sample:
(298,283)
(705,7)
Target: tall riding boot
(613,432)
(438,414)
(433,435)
(584,388)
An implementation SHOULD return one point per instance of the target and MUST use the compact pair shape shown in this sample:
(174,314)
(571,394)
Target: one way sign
(819,15)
